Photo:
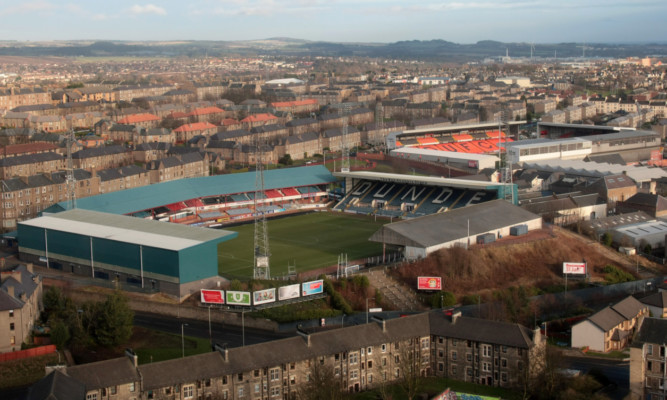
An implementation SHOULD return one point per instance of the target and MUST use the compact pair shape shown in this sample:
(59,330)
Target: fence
(34,352)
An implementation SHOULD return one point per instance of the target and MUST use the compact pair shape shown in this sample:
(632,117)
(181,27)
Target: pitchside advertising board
(313,287)
(213,296)
(429,283)
(238,298)
(574,268)
(264,296)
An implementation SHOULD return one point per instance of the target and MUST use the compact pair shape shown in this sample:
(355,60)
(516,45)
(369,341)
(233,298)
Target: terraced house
(357,358)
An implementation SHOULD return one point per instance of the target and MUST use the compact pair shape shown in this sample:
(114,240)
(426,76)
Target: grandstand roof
(436,229)
(129,230)
(457,128)
(146,197)
(419,180)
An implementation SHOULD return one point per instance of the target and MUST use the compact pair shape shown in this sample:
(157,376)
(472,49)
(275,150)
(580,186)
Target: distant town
(278,221)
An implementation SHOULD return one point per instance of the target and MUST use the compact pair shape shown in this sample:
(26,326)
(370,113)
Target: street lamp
(183,340)
(366,309)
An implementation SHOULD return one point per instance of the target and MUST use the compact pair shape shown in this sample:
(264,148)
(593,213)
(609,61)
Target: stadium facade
(170,258)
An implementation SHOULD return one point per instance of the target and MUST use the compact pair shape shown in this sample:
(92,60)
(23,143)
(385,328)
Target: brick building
(355,358)
(20,306)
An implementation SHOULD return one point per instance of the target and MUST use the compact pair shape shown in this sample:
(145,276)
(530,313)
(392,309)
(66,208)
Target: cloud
(147,9)
(267,7)
(29,7)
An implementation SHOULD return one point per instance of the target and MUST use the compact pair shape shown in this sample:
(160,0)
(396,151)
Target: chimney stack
(455,316)
(305,335)
(133,357)
(380,321)
(223,351)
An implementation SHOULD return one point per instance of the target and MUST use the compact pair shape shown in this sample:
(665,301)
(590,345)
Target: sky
(460,21)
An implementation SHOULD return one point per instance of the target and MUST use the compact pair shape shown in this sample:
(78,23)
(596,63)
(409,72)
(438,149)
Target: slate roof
(612,316)
(103,374)
(656,299)
(30,159)
(57,386)
(653,330)
(152,146)
(99,151)
(26,285)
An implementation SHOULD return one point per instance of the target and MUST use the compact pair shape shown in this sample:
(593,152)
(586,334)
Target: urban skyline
(337,21)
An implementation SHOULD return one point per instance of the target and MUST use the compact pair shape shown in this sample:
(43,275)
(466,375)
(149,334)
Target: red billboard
(213,296)
(574,268)
(429,283)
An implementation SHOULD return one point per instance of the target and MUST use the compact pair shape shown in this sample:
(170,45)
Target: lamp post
(366,309)
(243,328)
(183,340)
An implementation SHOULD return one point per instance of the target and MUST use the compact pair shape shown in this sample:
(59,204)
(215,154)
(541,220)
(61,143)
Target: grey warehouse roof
(432,230)
(129,229)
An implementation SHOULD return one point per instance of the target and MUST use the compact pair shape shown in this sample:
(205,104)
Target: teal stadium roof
(159,194)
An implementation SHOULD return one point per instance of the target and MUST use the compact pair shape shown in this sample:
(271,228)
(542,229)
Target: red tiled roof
(177,115)
(22,148)
(259,118)
(229,121)
(205,111)
(197,126)
(294,103)
(135,118)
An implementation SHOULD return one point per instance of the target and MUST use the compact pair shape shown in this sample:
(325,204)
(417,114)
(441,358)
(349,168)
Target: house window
(454,370)
(354,374)
(256,387)
(240,376)
(113,390)
(397,373)
(503,376)
(275,391)
(91,396)
(11,313)
(384,348)
(454,355)
(469,357)
(131,387)
(354,358)
(370,364)
(274,374)
(503,362)
(369,351)
(11,326)
(241,391)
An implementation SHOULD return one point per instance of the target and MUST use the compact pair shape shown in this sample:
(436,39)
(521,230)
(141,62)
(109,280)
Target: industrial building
(155,256)
(419,237)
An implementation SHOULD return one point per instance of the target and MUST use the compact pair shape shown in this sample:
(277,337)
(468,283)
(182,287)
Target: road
(617,371)
(232,335)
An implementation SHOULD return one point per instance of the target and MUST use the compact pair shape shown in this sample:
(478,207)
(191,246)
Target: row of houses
(353,359)
(25,196)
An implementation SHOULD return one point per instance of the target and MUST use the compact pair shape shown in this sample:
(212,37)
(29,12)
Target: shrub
(607,239)
(613,274)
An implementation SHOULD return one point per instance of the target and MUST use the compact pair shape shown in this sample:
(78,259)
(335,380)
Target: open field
(308,241)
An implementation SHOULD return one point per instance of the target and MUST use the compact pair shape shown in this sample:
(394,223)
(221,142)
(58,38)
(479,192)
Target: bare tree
(321,383)
(409,364)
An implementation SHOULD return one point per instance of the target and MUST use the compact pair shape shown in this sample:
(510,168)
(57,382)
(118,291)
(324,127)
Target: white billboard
(289,291)
(264,296)
(574,268)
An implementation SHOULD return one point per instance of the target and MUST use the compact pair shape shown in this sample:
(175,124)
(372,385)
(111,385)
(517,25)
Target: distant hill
(434,50)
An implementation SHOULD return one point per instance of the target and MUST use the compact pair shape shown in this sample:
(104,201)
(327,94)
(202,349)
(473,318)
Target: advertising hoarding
(213,296)
(264,296)
(238,298)
(429,283)
(574,268)
(288,292)
(313,287)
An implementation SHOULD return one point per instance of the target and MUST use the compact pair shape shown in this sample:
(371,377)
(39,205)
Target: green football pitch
(306,241)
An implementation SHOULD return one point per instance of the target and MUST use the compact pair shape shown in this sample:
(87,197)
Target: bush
(442,299)
(613,274)
(607,239)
